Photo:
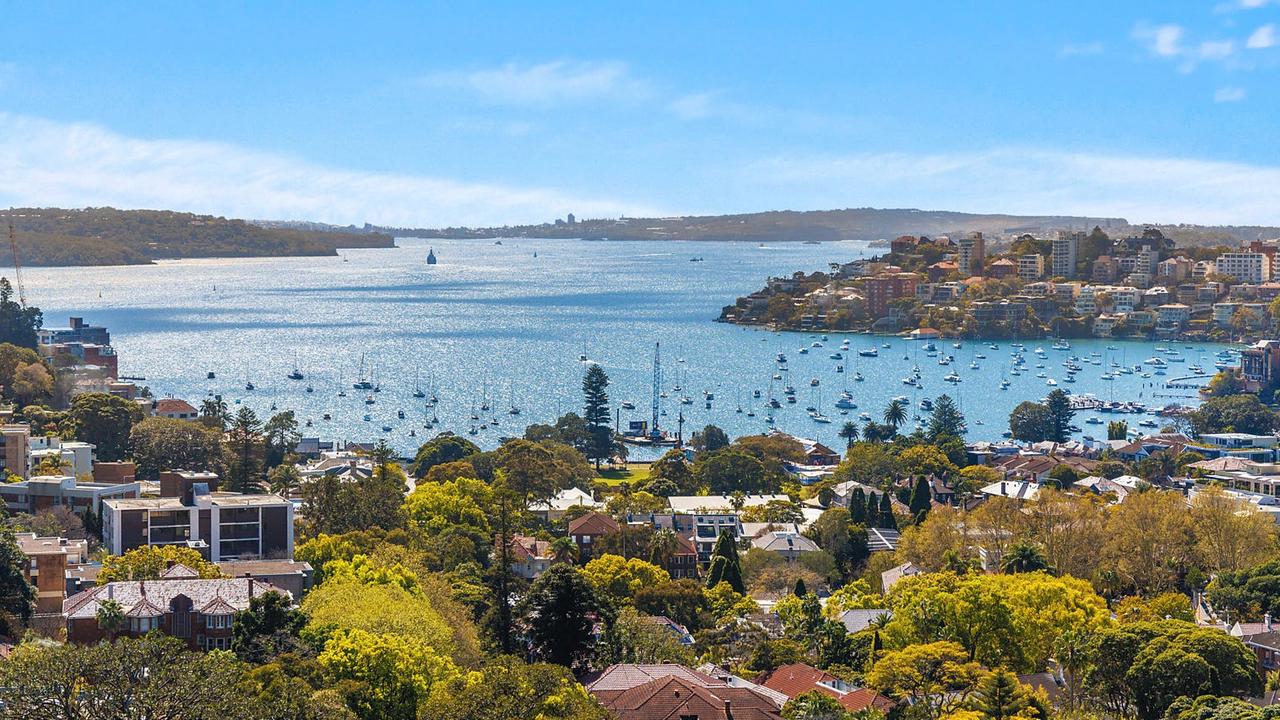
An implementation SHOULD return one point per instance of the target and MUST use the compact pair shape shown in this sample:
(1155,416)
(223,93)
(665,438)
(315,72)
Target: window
(143,624)
(217,622)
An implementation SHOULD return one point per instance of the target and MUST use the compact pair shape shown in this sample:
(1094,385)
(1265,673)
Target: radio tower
(657,388)
(17,265)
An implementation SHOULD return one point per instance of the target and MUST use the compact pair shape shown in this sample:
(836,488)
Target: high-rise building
(973,251)
(1066,251)
(1249,268)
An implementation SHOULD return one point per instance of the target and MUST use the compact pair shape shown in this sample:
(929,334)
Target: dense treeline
(106,236)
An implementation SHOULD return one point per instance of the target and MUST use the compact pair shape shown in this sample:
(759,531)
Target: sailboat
(363,383)
(515,410)
(296,374)
(417,389)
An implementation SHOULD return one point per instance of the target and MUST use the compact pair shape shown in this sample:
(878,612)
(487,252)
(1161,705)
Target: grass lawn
(635,474)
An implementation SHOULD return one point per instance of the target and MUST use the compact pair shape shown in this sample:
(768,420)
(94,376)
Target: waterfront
(494,320)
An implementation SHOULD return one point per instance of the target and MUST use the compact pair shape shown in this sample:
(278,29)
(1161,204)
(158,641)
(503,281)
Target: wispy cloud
(1228,94)
(1031,181)
(1263,37)
(546,83)
(1081,49)
(80,164)
(1161,40)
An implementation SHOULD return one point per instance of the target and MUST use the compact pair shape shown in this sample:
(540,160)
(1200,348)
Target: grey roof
(859,620)
(158,593)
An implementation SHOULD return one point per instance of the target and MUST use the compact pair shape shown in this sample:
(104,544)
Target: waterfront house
(174,409)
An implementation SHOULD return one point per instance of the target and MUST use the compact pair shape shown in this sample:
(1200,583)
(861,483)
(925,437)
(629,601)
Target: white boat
(869,352)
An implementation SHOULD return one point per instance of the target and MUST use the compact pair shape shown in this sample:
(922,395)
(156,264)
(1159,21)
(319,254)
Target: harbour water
(506,324)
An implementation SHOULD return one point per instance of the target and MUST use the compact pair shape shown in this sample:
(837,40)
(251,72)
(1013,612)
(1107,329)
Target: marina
(488,331)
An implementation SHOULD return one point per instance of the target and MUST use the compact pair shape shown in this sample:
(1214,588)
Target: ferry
(869,352)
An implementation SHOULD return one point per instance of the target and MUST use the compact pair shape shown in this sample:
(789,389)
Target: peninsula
(107,236)
(1068,283)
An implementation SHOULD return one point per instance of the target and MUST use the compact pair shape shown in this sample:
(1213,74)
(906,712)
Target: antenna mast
(17,265)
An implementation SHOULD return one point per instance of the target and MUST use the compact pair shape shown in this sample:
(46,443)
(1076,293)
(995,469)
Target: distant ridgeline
(106,236)
(829,225)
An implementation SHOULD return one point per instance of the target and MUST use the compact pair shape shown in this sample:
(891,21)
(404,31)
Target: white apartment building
(1030,267)
(1066,250)
(1246,267)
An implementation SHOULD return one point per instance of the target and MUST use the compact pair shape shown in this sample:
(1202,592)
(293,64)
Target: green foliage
(636,638)
(149,561)
(149,677)
(378,608)
(1117,430)
(245,472)
(1024,557)
(395,672)
(936,678)
(1030,422)
(267,628)
(681,600)
(725,564)
(814,705)
(157,444)
(18,325)
(443,448)
(945,420)
(506,689)
(710,439)
(17,595)
(921,498)
(730,470)
(618,579)
(559,612)
(999,620)
(595,396)
(1247,594)
(1144,667)
(1234,413)
(105,421)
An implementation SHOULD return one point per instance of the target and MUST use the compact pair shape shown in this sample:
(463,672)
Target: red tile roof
(673,697)
(593,523)
(799,678)
(174,406)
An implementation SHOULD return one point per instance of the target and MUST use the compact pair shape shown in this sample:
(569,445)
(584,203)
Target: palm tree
(662,547)
(895,414)
(110,617)
(564,549)
(1024,557)
(849,431)
(214,412)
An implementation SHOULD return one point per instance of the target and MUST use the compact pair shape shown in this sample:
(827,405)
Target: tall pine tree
(887,520)
(595,386)
(872,510)
(858,506)
(920,498)
(725,564)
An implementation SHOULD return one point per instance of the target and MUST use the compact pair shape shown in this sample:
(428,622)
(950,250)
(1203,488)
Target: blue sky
(468,113)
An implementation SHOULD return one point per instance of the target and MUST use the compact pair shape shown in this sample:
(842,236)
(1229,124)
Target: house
(1012,489)
(683,563)
(799,678)
(859,620)
(174,409)
(221,525)
(785,544)
(179,604)
(890,577)
(293,575)
(586,531)
(882,540)
(530,557)
(645,692)
(555,508)
(1102,486)
(61,457)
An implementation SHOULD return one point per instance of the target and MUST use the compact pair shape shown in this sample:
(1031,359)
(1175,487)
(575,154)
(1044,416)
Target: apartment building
(73,458)
(1066,251)
(47,570)
(50,491)
(15,449)
(1251,268)
(222,526)
(972,254)
(883,288)
(1031,267)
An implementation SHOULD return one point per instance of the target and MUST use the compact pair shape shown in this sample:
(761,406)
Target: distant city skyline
(449,114)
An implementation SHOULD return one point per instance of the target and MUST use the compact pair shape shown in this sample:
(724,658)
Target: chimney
(142,587)
(111,591)
(728,710)
(250,581)
(1266,621)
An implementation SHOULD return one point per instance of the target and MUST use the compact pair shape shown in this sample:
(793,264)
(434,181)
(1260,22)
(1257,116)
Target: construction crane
(17,265)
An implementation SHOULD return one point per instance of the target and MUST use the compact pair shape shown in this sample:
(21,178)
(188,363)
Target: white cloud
(1263,37)
(1079,49)
(1228,94)
(80,164)
(1162,40)
(547,83)
(1030,181)
(1217,49)
(1253,4)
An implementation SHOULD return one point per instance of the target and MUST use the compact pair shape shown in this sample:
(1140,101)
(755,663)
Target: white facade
(1066,249)
(1246,267)
(1030,267)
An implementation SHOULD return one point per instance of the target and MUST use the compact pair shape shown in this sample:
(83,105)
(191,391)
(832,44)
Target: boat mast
(657,387)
